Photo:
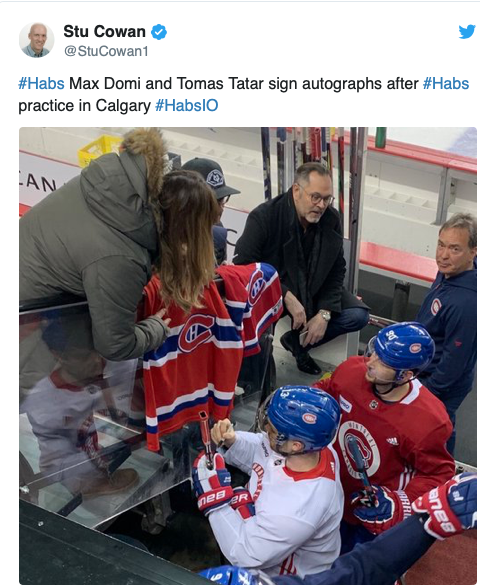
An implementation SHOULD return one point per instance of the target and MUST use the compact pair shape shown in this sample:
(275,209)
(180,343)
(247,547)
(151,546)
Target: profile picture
(36,39)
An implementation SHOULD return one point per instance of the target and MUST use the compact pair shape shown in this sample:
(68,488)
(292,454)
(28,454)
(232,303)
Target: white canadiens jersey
(295,529)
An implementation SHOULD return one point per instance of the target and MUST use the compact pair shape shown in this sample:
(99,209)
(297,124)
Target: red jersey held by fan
(197,366)
(403,443)
(253,296)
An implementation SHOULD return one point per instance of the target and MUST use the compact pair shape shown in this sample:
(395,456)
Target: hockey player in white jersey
(286,521)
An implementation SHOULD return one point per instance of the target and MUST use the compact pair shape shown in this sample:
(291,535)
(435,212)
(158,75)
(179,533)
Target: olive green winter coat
(97,237)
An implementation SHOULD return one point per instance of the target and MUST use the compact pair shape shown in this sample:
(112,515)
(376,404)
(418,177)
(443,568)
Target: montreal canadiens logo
(436,306)
(415,348)
(196,331)
(215,178)
(255,287)
(309,418)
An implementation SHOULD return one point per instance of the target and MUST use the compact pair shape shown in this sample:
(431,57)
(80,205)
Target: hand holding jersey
(390,508)
(161,315)
(212,487)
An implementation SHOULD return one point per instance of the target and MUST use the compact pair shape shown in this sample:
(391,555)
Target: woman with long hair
(187,210)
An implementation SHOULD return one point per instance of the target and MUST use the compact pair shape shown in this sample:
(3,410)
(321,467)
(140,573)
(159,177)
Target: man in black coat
(300,234)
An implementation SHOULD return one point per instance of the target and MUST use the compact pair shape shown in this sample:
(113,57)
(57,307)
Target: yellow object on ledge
(100,146)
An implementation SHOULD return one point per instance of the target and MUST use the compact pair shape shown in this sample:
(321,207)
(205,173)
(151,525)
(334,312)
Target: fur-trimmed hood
(123,190)
(149,143)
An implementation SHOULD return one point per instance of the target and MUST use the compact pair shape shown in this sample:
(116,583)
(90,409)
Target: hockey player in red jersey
(286,521)
(400,428)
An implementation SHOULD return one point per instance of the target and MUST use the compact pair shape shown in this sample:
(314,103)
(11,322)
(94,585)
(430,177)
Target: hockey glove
(451,507)
(391,508)
(243,503)
(235,575)
(212,487)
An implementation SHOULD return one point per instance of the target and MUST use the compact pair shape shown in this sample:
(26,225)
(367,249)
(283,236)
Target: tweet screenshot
(247,354)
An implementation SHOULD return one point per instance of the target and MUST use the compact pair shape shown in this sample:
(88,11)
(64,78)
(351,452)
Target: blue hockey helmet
(302,413)
(403,346)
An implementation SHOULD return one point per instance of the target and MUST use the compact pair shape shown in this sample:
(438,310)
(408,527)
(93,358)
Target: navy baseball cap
(213,175)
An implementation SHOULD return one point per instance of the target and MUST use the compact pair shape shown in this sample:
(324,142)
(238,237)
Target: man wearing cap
(213,175)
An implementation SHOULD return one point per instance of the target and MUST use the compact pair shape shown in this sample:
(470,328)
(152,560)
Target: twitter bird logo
(466,32)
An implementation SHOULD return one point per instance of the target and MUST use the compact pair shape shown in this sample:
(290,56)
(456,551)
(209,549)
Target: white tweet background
(215,40)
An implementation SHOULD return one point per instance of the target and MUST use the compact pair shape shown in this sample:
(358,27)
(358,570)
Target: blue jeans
(349,320)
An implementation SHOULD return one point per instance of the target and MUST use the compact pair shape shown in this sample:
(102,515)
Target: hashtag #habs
(159,32)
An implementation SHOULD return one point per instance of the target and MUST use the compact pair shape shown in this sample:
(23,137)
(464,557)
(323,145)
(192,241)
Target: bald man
(38,37)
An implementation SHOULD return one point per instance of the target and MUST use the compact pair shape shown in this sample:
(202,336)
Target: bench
(404,267)
(391,262)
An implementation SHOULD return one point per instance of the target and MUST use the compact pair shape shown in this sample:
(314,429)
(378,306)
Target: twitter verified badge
(159,32)
(467,32)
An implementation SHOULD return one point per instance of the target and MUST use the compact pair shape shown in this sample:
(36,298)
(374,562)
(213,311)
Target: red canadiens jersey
(403,443)
(253,296)
(196,368)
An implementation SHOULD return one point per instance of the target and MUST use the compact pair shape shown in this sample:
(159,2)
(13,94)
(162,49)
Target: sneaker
(120,480)
(307,364)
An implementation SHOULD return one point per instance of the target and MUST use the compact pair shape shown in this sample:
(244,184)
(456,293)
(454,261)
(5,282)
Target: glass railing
(82,439)
(82,442)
